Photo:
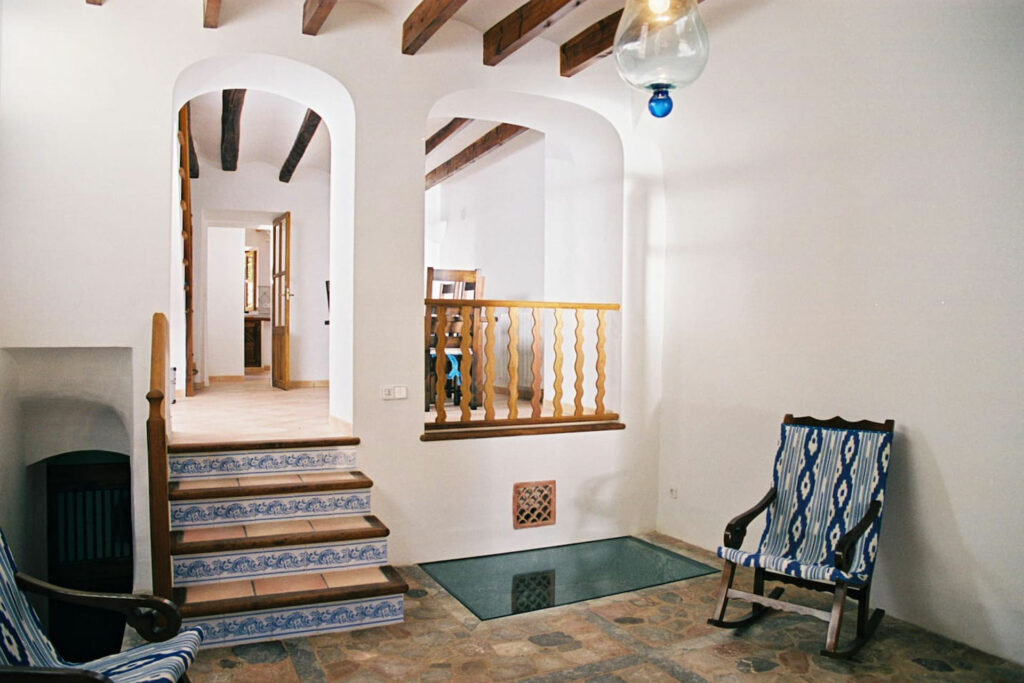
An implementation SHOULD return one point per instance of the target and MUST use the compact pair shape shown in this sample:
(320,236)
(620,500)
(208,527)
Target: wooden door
(186,171)
(279,313)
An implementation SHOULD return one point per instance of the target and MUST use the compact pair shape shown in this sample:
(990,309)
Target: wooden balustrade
(463,365)
(156,436)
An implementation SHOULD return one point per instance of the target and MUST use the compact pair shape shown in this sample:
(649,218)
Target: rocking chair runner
(824,513)
(27,654)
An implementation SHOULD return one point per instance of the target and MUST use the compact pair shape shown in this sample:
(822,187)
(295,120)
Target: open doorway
(256,343)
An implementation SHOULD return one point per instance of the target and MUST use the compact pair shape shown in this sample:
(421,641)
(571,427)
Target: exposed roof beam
(522,26)
(425,20)
(94,2)
(314,14)
(211,13)
(306,130)
(590,44)
(493,139)
(230,123)
(193,159)
(445,132)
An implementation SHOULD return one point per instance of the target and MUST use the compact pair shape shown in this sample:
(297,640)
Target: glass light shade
(660,45)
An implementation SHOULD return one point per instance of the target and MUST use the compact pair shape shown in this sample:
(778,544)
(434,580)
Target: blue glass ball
(660,104)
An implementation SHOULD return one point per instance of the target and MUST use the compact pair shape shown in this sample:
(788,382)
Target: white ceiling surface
(268,129)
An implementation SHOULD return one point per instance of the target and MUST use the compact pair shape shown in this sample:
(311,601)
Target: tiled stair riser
(275,461)
(244,564)
(191,514)
(292,622)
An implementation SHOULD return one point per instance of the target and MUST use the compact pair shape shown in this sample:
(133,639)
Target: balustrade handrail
(156,438)
(506,303)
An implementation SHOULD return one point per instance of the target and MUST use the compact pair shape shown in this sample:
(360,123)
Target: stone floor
(655,634)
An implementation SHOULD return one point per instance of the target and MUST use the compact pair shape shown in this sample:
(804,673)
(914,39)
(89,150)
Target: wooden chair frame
(156,619)
(735,531)
(465,284)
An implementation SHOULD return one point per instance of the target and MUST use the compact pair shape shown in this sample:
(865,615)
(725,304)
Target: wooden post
(513,363)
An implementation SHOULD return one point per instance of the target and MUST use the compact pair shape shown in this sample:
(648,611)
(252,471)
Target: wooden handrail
(461,339)
(504,303)
(156,438)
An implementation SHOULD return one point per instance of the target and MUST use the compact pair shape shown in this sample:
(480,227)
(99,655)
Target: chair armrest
(844,548)
(156,619)
(29,674)
(736,529)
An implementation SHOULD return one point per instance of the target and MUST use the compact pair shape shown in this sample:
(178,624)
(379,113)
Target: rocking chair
(824,513)
(26,654)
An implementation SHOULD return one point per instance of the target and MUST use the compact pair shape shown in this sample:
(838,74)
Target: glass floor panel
(499,585)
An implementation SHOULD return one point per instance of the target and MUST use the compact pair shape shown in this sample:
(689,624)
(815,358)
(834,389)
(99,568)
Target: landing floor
(655,634)
(253,410)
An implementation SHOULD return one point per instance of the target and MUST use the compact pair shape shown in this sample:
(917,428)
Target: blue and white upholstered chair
(824,513)
(27,654)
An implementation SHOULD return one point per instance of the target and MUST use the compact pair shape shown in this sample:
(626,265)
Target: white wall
(844,237)
(493,219)
(254,187)
(13,486)
(224,339)
(71,97)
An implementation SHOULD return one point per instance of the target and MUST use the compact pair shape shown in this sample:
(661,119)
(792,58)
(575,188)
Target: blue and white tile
(187,514)
(266,562)
(292,622)
(266,461)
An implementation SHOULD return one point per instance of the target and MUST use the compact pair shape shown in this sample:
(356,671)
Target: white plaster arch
(53,425)
(584,229)
(331,100)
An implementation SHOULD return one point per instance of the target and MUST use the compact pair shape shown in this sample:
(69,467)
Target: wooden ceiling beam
(424,22)
(522,26)
(211,13)
(490,141)
(230,124)
(193,158)
(314,14)
(306,130)
(94,2)
(445,132)
(589,45)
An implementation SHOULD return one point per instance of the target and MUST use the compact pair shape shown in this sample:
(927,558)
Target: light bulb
(660,45)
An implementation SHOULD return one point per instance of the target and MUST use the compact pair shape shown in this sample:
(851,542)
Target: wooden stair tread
(276,534)
(267,485)
(287,591)
(225,446)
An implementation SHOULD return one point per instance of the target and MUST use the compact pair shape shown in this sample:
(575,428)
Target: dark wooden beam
(193,159)
(589,45)
(94,2)
(522,26)
(230,123)
(211,13)
(425,20)
(314,14)
(492,140)
(309,126)
(445,132)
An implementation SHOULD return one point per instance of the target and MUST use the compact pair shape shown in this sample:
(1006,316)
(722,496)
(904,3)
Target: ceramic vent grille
(533,504)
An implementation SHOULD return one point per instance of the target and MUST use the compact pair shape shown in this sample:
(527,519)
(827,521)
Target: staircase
(265,540)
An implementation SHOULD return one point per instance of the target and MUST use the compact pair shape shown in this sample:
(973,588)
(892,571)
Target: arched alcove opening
(541,218)
(323,94)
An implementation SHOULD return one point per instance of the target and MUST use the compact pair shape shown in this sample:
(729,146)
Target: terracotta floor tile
(296,526)
(196,484)
(353,577)
(215,533)
(339,523)
(311,477)
(219,591)
(269,480)
(288,584)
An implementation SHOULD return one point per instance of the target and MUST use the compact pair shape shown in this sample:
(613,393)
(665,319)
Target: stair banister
(156,437)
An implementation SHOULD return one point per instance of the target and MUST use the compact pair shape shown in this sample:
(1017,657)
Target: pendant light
(660,45)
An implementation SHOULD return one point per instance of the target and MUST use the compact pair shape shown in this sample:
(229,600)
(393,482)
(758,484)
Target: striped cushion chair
(27,654)
(824,513)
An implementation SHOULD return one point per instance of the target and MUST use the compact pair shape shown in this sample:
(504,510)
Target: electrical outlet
(387,393)
(673,492)
(394,392)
